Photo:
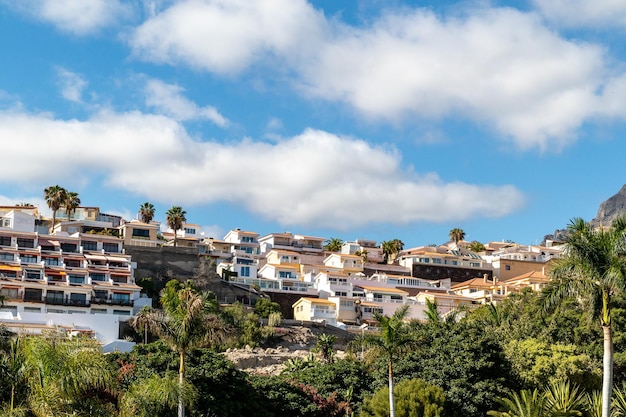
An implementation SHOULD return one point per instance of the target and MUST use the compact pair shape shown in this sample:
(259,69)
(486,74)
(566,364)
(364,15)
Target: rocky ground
(291,342)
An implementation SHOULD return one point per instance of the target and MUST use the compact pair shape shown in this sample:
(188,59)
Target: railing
(30,298)
(66,301)
(112,301)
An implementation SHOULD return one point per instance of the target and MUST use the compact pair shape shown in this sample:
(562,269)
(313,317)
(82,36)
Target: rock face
(611,209)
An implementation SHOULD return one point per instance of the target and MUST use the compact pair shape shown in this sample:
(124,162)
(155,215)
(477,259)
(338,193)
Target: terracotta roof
(381,289)
(474,282)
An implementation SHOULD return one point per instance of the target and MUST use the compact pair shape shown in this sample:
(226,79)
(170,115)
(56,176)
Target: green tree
(456,235)
(526,403)
(559,399)
(143,321)
(593,269)
(391,249)
(326,346)
(333,244)
(55,196)
(364,254)
(414,398)
(175,218)
(393,339)
(146,212)
(189,321)
(476,246)
(264,307)
(71,203)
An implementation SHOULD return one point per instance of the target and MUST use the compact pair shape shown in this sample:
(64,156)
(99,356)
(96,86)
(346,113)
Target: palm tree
(364,254)
(333,244)
(456,235)
(188,321)
(71,203)
(391,249)
(175,218)
(526,403)
(146,212)
(393,339)
(55,198)
(143,321)
(476,246)
(593,269)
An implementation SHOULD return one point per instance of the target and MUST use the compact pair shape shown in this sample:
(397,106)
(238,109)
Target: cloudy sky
(373,119)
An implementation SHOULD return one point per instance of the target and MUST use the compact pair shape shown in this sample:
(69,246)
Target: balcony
(33,298)
(66,301)
(113,301)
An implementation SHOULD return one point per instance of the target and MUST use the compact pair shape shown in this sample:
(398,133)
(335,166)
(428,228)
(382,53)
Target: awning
(52,272)
(96,257)
(10,268)
(117,259)
(48,242)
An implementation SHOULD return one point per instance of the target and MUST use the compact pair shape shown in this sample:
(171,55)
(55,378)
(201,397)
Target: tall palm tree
(456,235)
(143,321)
(175,218)
(188,321)
(593,270)
(71,203)
(146,212)
(393,339)
(55,198)
(333,244)
(526,403)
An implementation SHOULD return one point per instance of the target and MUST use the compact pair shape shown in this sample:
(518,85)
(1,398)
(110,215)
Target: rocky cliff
(611,209)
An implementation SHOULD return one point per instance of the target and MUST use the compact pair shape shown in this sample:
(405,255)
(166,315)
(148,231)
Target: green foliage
(247,325)
(333,244)
(263,307)
(476,246)
(559,399)
(537,363)
(464,359)
(326,347)
(414,398)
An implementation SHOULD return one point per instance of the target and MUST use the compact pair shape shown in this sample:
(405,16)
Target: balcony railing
(112,301)
(33,298)
(66,301)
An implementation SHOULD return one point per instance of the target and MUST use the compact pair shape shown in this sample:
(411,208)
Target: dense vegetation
(456,368)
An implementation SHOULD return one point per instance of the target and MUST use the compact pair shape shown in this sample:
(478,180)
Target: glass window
(97,277)
(77,279)
(25,243)
(52,261)
(5,240)
(111,247)
(141,234)
(28,259)
(90,245)
(245,271)
(7,257)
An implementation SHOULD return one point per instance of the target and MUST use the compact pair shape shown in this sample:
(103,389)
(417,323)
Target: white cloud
(71,84)
(226,36)
(77,17)
(499,67)
(168,99)
(38,202)
(583,13)
(315,178)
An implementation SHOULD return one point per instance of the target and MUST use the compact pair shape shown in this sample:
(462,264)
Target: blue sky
(352,119)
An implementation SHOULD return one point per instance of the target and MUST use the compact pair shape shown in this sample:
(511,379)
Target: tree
(456,235)
(391,249)
(265,306)
(143,321)
(146,212)
(393,338)
(559,399)
(333,244)
(593,270)
(175,218)
(476,246)
(188,321)
(55,196)
(364,254)
(325,346)
(71,203)
(414,397)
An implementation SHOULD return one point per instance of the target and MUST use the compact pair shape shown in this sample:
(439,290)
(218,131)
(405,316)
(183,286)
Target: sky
(372,119)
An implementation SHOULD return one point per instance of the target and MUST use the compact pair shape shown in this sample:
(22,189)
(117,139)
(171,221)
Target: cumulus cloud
(315,178)
(77,17)
(500,67)
(71,84)
(226,36)
(583,13)
(168,98)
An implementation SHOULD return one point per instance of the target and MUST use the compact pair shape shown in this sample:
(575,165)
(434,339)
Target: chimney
(485,277)
(495,280)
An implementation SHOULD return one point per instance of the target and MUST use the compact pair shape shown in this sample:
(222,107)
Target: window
(242,261)
(11,309)
(111,247)
(378,297)
(54,310)
(98,311)
(69,247)
(6,222)
(28,259)
(248,239)
(32,274)
(190,230)
(32,310)
(5,240)
(346,303)
(507,267)
(437,260)
(73,263)
(245,271)
(141,234)
(7,257)
(52,261)
(396,298)
(32,295)
(8,274)
(77,279)
(78,299)
(25,243)
(119,279)
(90,245)
(475,264)
(341,294)
(9,293)
(285,274)
(121,312)
(98,277)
